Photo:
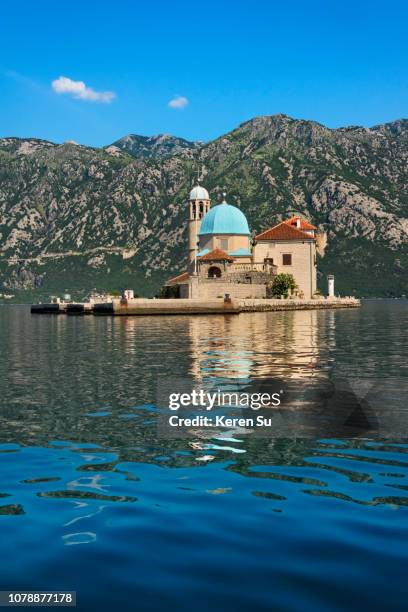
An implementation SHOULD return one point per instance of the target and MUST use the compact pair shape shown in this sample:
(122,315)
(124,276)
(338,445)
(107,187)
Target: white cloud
(78,90)
(178,102)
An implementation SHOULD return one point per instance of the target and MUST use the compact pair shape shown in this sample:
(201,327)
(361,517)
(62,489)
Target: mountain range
(74,218)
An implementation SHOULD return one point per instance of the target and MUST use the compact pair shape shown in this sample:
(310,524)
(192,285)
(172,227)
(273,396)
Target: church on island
(225,258)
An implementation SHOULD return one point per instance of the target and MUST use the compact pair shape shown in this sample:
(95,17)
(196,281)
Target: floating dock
(144,306)
(63,308)
(47,309)
(79,309)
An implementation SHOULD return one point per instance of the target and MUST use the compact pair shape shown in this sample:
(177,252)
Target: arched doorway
(214,272)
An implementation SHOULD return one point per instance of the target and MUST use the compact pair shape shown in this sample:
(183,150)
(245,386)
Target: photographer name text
(219,421)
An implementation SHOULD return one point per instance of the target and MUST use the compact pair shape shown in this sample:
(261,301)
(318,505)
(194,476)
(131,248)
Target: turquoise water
(93,499)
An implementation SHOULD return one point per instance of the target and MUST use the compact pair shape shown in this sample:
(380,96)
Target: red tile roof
(216,255)
(304,225)
(283,231)
(176,280)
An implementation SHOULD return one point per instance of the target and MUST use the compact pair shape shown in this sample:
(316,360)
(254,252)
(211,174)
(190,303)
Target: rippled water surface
(93,499)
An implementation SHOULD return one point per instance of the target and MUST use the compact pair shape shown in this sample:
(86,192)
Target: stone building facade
(223,259)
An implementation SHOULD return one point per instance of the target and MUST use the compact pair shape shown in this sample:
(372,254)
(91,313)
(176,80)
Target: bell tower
(199,205)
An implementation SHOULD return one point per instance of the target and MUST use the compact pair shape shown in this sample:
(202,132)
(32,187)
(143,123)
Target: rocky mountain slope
(155,146)
(75,217)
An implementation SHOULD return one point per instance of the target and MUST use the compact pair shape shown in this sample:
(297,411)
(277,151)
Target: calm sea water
(93,499)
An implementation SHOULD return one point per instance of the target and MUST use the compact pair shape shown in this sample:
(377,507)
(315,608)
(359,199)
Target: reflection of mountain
(56,371)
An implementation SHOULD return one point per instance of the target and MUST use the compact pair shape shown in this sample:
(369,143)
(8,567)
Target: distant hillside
(74,217)
(155,146)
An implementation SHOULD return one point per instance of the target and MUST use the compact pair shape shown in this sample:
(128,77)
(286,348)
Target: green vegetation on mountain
(77,218)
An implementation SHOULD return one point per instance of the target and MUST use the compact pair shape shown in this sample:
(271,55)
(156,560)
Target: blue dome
(224,219)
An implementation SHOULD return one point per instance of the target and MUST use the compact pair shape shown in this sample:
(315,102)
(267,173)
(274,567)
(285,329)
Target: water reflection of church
(289,353)
(284,345)
(223,258)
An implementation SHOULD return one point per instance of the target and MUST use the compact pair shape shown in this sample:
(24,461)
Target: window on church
(268,262)
(224,244)
(287,259)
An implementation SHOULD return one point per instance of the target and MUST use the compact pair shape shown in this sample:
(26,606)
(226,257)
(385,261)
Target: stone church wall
(215,289)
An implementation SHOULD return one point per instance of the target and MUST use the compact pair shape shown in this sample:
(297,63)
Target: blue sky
(339,62)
